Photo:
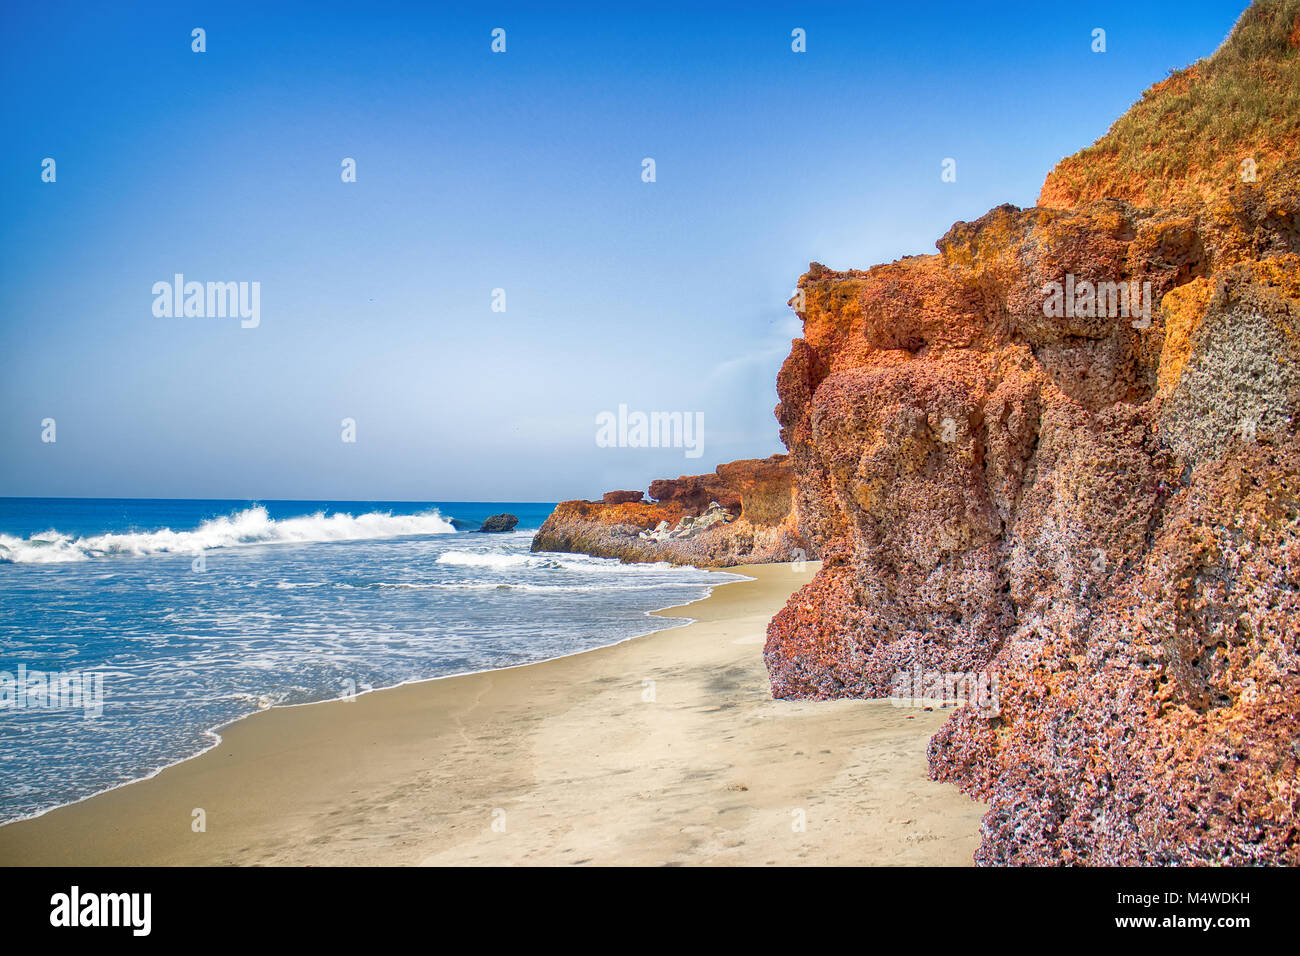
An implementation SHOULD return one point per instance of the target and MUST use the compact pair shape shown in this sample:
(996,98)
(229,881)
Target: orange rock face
(1098,505)
(755,523)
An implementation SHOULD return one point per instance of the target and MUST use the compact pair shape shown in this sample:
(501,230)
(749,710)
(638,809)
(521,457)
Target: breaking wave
(250,526)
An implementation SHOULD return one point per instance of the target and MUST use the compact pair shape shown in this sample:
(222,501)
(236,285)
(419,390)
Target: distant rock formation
(499,523)
(1101,504)
(742,514)
(622,497)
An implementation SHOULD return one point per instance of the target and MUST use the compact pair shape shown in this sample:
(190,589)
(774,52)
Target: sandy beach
(666,749)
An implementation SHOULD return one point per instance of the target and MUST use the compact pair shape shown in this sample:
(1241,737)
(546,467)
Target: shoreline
(215,732)
(610,755)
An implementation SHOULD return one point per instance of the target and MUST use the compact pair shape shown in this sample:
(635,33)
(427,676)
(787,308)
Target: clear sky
(478,171)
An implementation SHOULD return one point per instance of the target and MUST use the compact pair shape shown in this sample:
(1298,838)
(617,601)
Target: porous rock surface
(1103,510)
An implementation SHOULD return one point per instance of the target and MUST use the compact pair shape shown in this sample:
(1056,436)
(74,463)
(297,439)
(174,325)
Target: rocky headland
(744,513)
(1061,451)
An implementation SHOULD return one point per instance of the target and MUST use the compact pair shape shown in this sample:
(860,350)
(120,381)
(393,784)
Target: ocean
(166,619)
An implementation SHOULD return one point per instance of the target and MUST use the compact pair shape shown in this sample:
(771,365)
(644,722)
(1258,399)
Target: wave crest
(250,526)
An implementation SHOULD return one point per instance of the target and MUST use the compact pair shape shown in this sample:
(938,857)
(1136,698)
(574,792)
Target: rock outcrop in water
(498,524)
(1008,463)
(742,514)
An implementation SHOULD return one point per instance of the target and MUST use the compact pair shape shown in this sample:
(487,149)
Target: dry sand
(562,762)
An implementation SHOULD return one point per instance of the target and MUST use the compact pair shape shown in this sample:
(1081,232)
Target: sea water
(191,614)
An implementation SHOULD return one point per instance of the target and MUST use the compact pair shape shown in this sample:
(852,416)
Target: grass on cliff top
(1193,129)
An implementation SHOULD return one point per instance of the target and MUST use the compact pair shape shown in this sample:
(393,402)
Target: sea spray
(250,526)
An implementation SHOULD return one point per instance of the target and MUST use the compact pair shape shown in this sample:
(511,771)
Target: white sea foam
(548,560)
(539,588)
(471,559)
(250,526)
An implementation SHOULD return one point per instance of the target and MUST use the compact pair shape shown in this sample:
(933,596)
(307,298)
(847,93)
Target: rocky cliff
(742,514)
(1063,451)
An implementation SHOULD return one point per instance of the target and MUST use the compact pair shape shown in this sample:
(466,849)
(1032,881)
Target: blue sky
(478,171)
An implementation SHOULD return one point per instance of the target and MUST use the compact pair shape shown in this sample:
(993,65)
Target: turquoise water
(190,614)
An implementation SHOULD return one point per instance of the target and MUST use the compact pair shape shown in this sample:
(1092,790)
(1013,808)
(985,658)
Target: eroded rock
(1102,509)
(744,513)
